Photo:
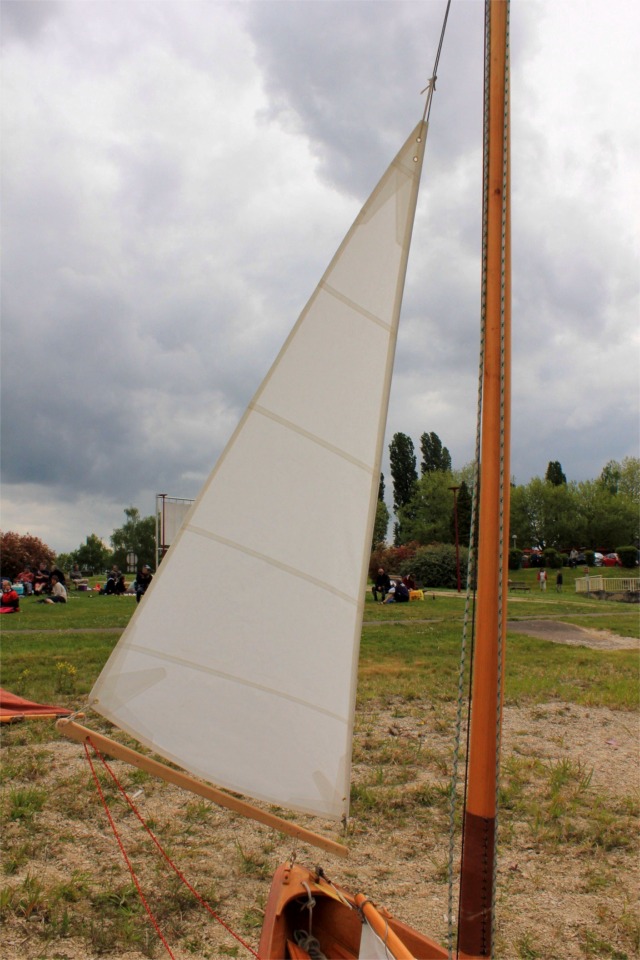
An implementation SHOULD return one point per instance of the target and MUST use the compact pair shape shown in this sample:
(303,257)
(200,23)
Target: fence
(596,584)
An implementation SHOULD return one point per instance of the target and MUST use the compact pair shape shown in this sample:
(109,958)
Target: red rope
(124,854)
(156,842)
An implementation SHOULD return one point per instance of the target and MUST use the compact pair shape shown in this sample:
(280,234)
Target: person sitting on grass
(77,578)
(10,602)
(58,592)
(115,585)
(381,585)
(143,580)
(26,579)
(398,594)
(41,579)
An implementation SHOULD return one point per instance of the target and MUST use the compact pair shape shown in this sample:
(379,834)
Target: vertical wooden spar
(476,885)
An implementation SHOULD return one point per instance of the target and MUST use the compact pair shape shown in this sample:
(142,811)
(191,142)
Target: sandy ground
(559,632)
(567,901)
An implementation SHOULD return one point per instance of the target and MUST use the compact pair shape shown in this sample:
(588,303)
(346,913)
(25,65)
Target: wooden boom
(75,731)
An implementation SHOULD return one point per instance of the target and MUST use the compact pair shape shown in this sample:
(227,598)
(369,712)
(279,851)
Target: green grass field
(60,894)
(407,649)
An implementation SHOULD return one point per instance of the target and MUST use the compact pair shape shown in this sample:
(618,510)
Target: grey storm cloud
(176,178)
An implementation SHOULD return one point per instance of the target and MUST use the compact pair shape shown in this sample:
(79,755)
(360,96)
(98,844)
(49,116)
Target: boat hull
(336,923)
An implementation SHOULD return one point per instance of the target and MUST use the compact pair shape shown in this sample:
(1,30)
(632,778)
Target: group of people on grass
(40,581)
(116,586)
(392,591)
(49,586)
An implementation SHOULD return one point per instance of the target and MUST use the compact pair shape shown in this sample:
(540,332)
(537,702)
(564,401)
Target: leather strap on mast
(475,932)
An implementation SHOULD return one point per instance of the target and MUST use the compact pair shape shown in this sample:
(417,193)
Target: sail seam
(233,678)
(272,562)
(358,308)
(313,437)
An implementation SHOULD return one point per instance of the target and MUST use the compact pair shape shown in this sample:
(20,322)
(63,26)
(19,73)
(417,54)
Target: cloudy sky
(177,175)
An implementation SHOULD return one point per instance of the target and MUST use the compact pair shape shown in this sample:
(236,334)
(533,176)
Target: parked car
(597,559)
(611,560)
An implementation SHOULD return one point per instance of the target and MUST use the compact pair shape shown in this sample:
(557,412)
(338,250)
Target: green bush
(552,558)
(628,556)
(435,566)
(590,558)
(515,558)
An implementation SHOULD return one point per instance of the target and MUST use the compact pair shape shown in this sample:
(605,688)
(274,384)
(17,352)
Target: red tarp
(13,708)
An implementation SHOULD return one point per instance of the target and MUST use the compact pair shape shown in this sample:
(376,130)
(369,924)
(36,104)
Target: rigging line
(163,853)
(134,877)
(431,86)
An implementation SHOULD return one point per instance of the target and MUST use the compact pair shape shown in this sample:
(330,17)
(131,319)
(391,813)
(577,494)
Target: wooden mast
(477,872)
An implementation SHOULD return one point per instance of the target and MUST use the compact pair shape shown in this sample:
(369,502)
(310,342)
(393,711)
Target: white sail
(240,663)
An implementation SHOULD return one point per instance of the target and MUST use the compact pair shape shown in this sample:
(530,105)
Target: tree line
(137,535)
(548,512)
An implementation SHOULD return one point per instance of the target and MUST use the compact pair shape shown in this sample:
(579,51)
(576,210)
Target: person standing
(542,578)
(559,581)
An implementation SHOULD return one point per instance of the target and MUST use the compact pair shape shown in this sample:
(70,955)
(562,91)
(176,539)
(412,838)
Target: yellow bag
(416,595)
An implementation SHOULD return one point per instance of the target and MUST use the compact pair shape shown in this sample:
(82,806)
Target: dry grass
(568,864)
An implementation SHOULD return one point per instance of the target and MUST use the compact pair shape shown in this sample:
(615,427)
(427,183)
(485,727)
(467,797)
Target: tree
(137,535)
(609,479)
(93,555)
(64,561)
(630,478)
(427,518)
(402,460)
(20,550)
(608,518)
(585,515)
(380,525)
(622,477)
(545,515)
(555,474)
(381,487)
(464,515)
(434,455)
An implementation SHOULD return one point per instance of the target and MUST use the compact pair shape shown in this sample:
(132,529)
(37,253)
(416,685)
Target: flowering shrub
(392,559)
(65,677)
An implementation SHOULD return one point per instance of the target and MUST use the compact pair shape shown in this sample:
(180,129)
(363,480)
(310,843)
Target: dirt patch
(559,632)
(560,882)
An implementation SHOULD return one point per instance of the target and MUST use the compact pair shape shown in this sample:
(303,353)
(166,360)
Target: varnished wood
(336,920)
(475,920)
(75,731)
(382,929)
